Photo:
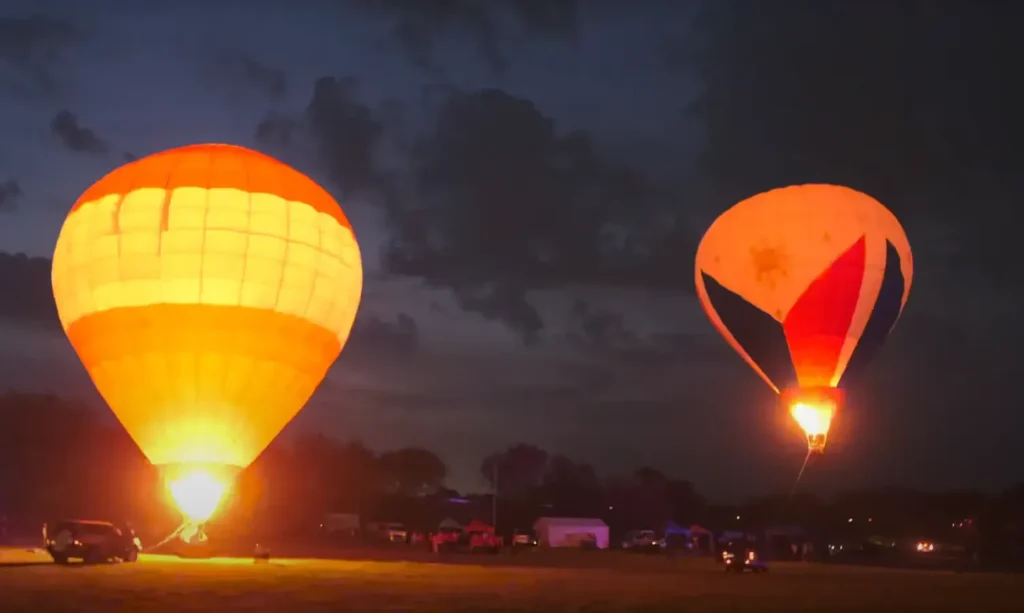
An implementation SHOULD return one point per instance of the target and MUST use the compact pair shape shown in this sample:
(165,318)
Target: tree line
(59,460)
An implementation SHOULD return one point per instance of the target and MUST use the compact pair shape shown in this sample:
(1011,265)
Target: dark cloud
(503,302)
(31,49)
(594,329)
(25,291)
(418,24)
(276,130)
(271,80)
(77,138)
(10,192)
(374,335)
(239,70)
(347,133)
(923,117)
(504,200)
(502,196)
(498,202)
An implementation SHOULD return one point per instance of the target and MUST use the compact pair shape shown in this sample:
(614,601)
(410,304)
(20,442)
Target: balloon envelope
(207,290)
(805,282)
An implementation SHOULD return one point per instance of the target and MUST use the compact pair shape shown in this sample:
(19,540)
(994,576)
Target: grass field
(29,582)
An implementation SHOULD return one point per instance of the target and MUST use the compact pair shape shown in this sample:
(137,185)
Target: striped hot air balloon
(805,282)
(207,290)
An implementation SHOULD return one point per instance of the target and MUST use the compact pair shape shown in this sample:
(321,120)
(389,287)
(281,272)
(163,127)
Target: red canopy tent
(478,526)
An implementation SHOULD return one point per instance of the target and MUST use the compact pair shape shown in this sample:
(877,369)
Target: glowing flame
(197,495)
(814,419)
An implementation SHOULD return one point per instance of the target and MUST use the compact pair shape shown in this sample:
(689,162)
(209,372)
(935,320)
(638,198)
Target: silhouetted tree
(571,487)
(640,500)
(57,459)
(687,504)
(411,472)
(520,469)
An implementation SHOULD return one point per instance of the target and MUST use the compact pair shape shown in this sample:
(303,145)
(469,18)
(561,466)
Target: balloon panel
(203,384)
(798,278)
(221,245)
(211,166)
(178,271)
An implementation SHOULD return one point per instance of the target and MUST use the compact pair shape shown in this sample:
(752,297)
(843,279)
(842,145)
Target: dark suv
(90,541)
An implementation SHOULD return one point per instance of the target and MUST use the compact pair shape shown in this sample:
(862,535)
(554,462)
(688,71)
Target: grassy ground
(28,582)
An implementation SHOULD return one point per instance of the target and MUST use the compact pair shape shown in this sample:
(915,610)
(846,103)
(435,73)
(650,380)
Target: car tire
(132,556)
(92,556)
(59,545)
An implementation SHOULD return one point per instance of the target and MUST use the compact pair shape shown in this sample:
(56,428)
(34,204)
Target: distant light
(849,521)
(737,517)
(611,508)
(870,519)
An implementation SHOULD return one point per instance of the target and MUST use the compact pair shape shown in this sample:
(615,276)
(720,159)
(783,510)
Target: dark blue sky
(455,349)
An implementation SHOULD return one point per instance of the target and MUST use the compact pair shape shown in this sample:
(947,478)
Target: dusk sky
(562,315)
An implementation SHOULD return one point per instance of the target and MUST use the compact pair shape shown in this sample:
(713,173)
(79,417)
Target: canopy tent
(703,540)
(449,524)
(672,528)
(571,532)
(694,538)
(479,526)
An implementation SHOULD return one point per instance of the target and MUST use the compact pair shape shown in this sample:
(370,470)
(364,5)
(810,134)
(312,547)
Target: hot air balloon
(806,282)
(207,290)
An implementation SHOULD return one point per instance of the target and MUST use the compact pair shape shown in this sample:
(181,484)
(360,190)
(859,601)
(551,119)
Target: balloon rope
(170,537)
(799,475)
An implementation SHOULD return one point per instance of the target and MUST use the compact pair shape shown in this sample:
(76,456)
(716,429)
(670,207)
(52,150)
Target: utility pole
(494,498)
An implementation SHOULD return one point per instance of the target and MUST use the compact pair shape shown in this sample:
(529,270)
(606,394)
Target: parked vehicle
(524,538)
(748,560)
(340,526)
(398,534)
(90,541)
(641,540)
(390,531)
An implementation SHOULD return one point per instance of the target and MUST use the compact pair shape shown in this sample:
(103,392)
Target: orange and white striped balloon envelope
(207,290)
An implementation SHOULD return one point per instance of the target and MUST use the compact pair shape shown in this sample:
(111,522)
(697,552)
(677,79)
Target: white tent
(571,532)
(450,523)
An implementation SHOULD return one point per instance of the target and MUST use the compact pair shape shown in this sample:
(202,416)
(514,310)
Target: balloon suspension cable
(800,474)
(187,531)
(170,537)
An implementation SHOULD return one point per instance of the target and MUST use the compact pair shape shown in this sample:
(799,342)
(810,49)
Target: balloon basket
(816,444)
(193,542)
